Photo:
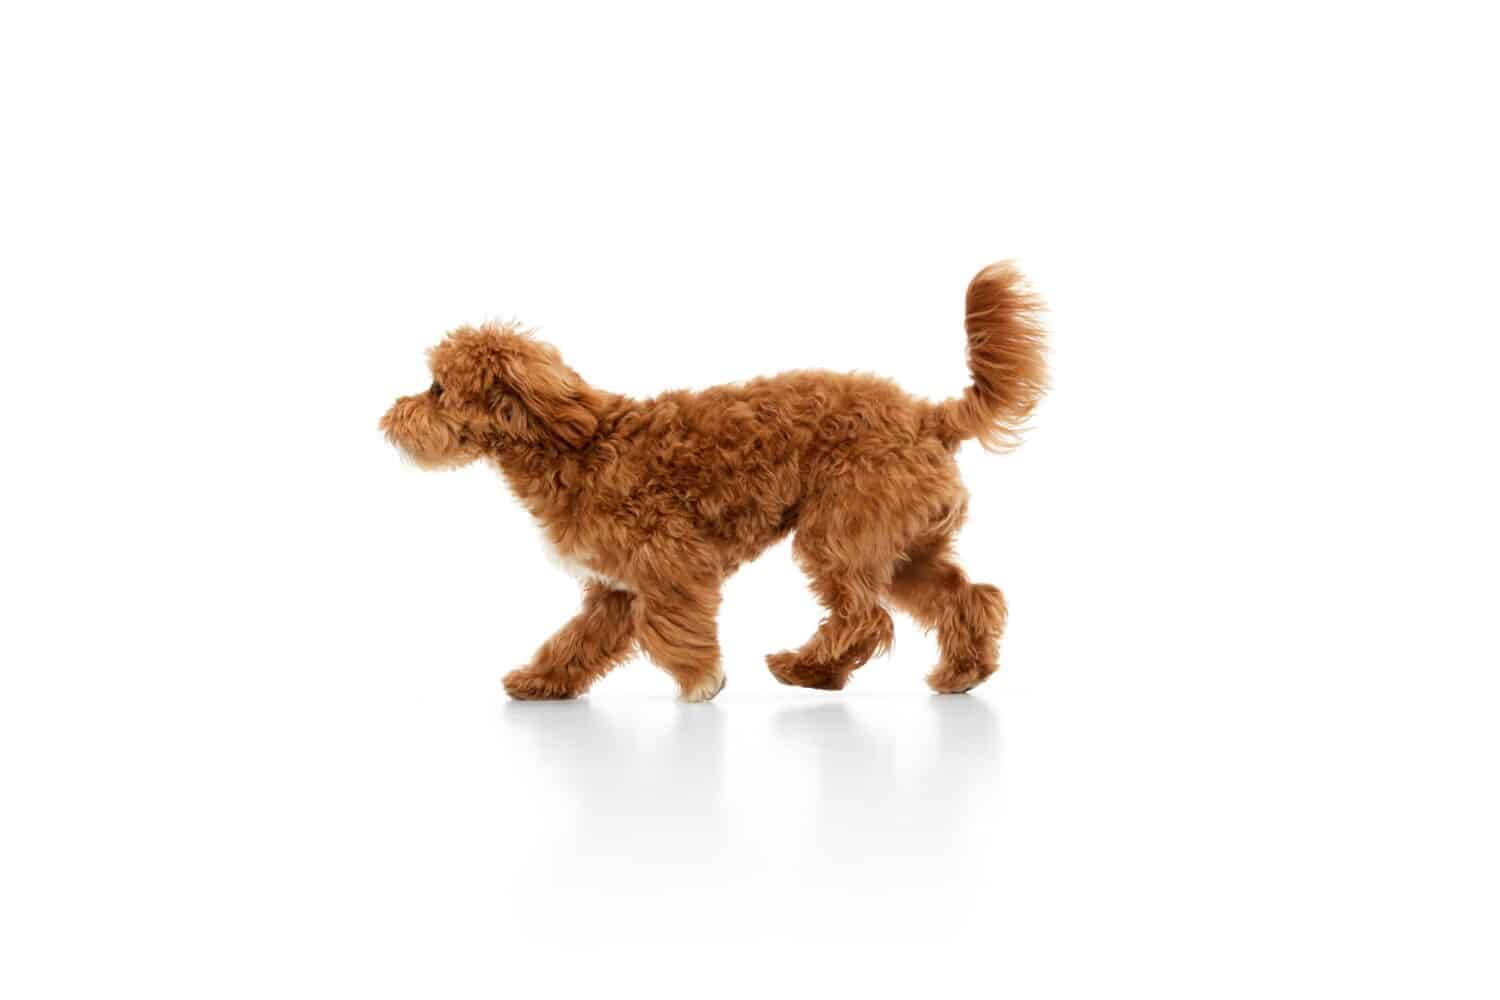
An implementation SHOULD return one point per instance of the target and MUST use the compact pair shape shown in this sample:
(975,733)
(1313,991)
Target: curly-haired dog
(656,502)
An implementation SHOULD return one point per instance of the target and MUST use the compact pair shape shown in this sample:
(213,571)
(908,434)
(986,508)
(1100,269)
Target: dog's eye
(436,391)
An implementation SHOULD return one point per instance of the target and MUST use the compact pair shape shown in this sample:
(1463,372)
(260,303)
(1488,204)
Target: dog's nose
(388,419)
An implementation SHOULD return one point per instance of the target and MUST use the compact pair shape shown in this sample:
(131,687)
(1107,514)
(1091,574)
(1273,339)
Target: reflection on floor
(835,801)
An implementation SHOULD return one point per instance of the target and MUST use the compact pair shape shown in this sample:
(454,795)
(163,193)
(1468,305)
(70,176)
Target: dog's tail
(1006,357)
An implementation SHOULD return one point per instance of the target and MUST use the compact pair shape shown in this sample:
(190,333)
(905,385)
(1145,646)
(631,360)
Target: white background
(1244,740)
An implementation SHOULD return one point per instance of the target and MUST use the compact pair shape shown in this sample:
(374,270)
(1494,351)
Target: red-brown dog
(656,502)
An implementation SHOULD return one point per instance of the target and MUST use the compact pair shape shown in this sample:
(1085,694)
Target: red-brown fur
(662,499)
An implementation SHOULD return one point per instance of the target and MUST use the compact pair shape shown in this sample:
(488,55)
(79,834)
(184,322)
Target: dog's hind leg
(598,638)
(677,628)
(969,617)
(849,580)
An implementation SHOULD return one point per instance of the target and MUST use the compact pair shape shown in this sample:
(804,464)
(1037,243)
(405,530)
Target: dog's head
(492,386)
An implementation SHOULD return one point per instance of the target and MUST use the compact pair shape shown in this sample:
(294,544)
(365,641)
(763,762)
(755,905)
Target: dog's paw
(790,668)
(706,689)
(956,678)
(528,685)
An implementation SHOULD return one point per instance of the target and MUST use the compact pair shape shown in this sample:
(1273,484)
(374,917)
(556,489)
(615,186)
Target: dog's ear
(554,394)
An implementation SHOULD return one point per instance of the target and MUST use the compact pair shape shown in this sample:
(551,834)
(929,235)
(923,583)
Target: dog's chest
(577,567)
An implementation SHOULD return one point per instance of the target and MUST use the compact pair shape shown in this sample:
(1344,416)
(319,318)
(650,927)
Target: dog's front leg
(598,638)
(677,627)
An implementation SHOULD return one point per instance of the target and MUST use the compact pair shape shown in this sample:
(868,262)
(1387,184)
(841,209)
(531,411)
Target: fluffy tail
(1006,357)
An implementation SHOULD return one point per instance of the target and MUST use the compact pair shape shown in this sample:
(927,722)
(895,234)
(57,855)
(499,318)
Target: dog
(654,503)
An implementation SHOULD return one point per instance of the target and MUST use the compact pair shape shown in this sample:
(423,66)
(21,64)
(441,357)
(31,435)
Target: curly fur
(658,501)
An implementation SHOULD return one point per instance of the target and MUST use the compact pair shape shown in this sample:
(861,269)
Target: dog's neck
(552,479)
(546,478)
